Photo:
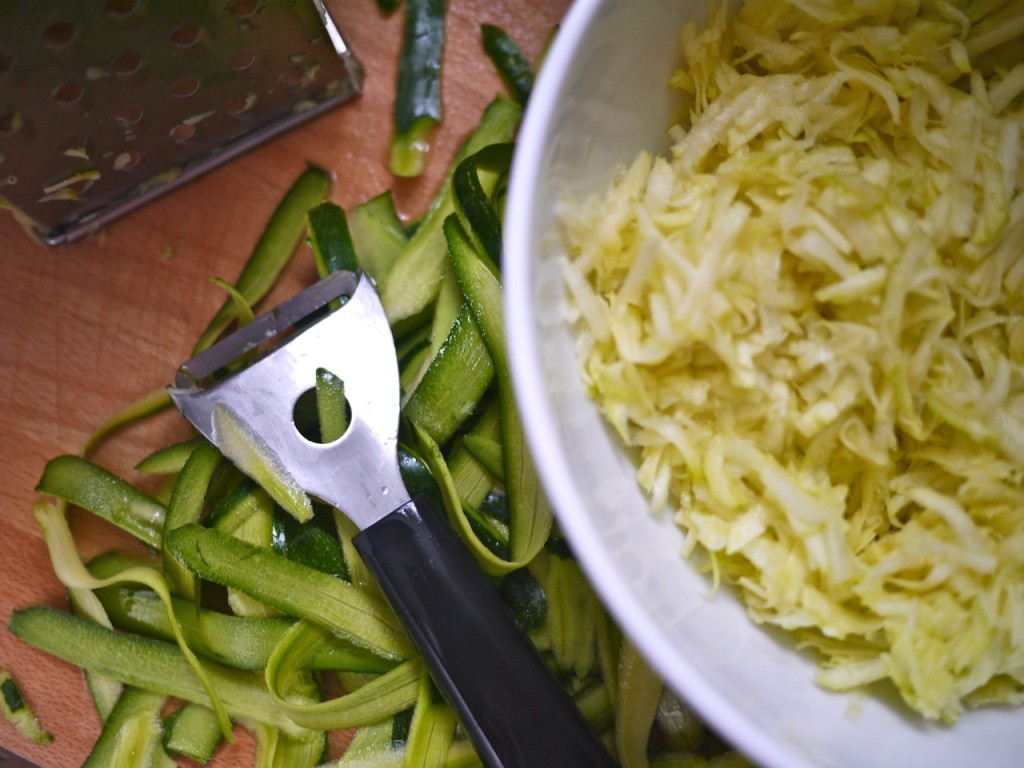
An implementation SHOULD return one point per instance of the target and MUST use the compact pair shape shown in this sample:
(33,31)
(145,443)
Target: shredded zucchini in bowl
(807,323)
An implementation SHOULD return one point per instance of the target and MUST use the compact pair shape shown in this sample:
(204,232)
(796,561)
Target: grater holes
(182,133)
(185,86)
(121,9)
(126,64)
(240,105)
(242,9)
(61,74)
(186,35)
(129,115)
(60,34)
(300,73)
(67,93)
(242,59)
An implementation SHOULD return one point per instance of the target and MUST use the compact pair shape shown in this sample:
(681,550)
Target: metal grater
(106,104)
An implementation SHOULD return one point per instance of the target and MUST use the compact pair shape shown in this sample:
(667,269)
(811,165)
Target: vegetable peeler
(504,695)
(106,105)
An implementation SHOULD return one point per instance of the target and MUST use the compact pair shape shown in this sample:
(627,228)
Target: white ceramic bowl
(601,97)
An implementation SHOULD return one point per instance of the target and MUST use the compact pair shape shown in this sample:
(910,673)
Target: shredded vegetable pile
(808,322)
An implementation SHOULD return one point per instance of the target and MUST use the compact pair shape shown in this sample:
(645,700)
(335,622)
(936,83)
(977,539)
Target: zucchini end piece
(409,149)
(18,713)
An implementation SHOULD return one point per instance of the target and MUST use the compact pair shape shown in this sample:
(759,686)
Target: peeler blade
(358,473)
(105,106)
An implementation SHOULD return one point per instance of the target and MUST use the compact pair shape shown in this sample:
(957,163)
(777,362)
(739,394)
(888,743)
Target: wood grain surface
(87,328)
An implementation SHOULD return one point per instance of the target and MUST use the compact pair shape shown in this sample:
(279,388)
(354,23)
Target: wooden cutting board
(87,328)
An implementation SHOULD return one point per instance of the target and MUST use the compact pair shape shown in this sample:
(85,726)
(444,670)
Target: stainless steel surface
(357,473)
(104,106)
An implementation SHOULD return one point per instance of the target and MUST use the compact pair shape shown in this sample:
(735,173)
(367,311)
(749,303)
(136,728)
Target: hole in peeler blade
(322,414)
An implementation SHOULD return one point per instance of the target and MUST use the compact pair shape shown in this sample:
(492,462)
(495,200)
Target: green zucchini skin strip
(454,382)
(330,239)
(445,311)
(132,735)
(432,729)
(170,459)
(378,699)
(373,747)
(417,105)
(471,478)
(186,506)
(242,642)
(193,732)
(473,204)
(238,506)
(146,663)
(250,520)
(273,249)
(414,279)
(243,311)
(279,750)
(487,451)
(145,406)
(84,484)
(295,589)
(377,234)
(331,407)
(512,67)
(418,479)
(490,551)
(639,692)
(491,564)
(71,571)
(596,705)
(418,85)
(529,512)
(249,452)
(104,691)
(313,543)
(572,616)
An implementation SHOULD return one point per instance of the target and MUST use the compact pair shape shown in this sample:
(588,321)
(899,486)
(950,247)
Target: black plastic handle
(506,698)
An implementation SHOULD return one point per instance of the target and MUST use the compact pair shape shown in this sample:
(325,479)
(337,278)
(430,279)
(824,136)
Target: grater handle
(508,701)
